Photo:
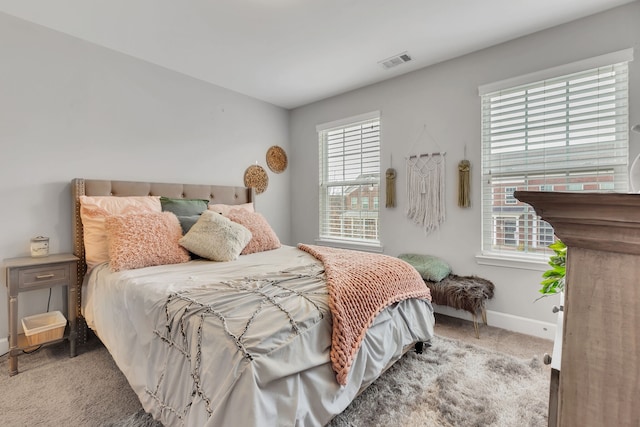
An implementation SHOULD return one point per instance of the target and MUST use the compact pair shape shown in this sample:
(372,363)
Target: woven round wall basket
(256,177)
(276,159)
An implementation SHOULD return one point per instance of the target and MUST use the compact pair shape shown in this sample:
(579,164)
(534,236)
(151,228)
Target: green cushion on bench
(431,268)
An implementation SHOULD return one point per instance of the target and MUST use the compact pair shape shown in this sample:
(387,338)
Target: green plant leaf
(553,279)
(550,281)
(557,260)
(558,246)
(555,272)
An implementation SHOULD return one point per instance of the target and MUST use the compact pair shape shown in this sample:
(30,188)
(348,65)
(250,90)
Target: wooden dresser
(599,381)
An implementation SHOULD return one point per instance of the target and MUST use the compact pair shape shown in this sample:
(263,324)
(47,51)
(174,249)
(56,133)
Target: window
(509,198)
(350,172)
(606,186)
(543,233)
(567,133)
(510,232)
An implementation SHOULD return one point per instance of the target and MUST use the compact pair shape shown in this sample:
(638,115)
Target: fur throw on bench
(462,292)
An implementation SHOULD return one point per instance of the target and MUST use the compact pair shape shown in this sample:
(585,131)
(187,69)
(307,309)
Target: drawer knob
(556,308)
(547,359)
(44,276)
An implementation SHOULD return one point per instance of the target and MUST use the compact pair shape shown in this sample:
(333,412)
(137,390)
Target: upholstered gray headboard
(227,195)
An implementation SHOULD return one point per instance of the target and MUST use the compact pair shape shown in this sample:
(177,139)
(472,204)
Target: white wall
(72,109)
(444,97)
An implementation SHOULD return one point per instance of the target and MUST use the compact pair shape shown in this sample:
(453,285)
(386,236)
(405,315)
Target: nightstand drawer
(43,276)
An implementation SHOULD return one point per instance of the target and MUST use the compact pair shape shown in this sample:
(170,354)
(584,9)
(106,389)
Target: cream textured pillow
(264,238)
(216,237)
(94,210)
(143,240)
(225,209)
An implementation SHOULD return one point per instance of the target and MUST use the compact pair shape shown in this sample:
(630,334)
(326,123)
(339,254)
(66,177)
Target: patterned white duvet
(242,343)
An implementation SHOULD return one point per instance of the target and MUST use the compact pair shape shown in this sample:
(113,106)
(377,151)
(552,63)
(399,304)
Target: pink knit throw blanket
(360,286)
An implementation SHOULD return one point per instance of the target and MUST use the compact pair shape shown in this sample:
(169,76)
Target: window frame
(364,185)
(535,261)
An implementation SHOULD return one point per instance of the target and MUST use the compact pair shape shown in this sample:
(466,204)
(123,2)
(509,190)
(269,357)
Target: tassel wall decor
(391,188)
(463,183)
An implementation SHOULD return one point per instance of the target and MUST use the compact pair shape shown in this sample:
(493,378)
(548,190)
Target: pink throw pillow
(263,237)
(144,240)
(94,210)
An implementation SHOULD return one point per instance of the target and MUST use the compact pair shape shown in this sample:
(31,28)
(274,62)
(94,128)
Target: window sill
(367,247)
(519,262)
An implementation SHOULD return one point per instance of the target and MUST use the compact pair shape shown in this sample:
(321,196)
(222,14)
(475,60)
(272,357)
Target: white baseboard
(4,345)
(509,322)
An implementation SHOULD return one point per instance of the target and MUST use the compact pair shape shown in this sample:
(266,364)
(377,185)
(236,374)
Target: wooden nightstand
(29,274)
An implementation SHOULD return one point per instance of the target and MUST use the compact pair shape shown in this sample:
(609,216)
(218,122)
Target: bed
(251,341)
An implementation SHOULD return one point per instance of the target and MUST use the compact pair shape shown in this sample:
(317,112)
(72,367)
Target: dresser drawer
(43,276)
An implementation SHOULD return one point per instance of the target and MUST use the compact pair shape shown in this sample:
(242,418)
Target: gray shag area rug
(450,384)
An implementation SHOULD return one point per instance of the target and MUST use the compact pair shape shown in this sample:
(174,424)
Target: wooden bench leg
(475,326)
(483,314)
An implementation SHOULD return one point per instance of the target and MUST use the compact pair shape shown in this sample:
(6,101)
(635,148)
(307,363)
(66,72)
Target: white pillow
(225,209)
(216,237)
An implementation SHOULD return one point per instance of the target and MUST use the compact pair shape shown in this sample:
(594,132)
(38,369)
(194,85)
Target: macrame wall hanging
(426,190)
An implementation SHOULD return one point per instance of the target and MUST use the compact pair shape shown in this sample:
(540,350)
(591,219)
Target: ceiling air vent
(395,60)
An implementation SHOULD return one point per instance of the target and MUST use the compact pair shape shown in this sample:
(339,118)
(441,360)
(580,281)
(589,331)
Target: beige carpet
(517,345)
(53,389)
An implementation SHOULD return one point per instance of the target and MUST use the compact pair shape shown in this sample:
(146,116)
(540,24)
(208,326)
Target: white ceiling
(293,52)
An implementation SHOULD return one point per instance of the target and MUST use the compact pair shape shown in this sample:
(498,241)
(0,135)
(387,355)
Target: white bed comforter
(243,343)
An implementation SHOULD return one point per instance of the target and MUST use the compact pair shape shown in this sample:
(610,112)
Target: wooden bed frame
(228,195)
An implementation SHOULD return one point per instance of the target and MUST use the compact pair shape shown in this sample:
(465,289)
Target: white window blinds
(567,133)
(349,178)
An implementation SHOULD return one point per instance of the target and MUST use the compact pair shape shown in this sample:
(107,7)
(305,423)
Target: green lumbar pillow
(184,207)
(431,268)
(187,210)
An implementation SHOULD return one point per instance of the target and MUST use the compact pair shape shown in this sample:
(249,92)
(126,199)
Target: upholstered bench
(467,293)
